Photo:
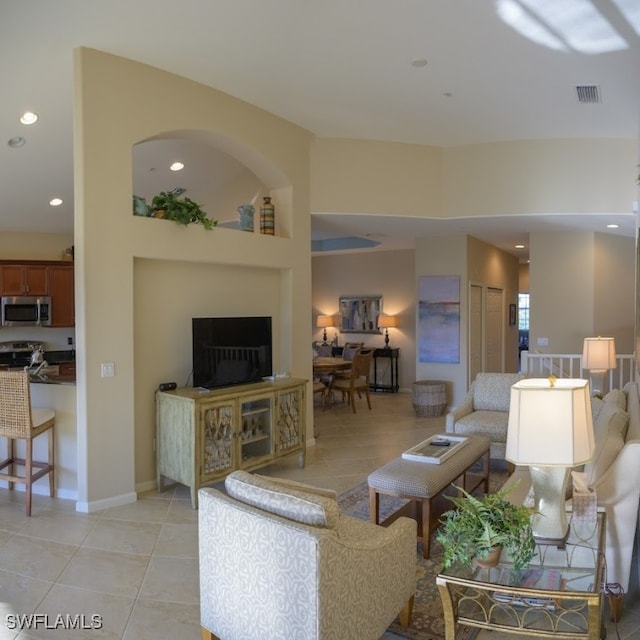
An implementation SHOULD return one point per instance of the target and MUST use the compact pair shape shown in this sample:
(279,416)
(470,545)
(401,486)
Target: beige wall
(386,273)
(109,240)
(33,246)
(581,285)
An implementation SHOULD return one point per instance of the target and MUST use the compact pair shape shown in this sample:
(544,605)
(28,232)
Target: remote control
(440,443)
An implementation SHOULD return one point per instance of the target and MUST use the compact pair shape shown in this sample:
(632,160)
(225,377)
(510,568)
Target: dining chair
(358,381)
(20,421)
(320,388)
(348,353)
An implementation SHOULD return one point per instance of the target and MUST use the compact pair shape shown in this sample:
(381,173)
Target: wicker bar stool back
(19,421)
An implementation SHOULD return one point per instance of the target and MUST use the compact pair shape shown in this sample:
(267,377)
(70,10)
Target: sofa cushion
(492,391)
(292,503)
(491,424)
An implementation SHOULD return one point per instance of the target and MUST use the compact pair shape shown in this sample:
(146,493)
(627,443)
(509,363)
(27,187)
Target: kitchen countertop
(52,379)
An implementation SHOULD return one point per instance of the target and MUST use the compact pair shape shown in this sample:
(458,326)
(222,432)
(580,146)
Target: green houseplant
(477,525)
(183,211)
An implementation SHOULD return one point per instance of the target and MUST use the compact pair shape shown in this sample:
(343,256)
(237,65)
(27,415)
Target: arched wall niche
(219,174)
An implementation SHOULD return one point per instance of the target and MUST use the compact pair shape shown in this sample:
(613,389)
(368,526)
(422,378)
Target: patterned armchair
(279,561)
(485,410)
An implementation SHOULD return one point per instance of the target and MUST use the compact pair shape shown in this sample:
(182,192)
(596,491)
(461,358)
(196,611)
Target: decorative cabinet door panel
(256,429)
(218,440)
(290,426)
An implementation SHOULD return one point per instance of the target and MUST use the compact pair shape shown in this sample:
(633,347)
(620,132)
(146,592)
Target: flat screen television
(229,351)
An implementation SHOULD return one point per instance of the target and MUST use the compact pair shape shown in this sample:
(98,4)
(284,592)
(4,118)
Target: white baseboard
(105,503)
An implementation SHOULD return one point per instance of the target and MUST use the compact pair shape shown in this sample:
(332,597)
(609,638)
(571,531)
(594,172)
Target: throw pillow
(633,408)
(293,504)
(603,458)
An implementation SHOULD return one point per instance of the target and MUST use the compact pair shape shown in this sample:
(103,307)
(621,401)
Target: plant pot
(491,560)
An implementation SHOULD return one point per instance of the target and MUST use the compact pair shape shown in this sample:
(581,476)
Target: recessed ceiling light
(177,166)
(28,117)
(519,246)
(55,202)
(419,62)
(613,226)
(16,141)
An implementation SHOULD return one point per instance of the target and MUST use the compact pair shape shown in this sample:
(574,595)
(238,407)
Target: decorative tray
(436,449)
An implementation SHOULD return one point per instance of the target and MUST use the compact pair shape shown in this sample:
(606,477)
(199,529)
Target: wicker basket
(429,398)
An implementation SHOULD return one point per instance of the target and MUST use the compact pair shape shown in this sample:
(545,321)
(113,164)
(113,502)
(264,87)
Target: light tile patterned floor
(136,565)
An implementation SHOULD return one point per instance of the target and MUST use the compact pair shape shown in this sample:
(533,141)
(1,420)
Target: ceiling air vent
(588,94)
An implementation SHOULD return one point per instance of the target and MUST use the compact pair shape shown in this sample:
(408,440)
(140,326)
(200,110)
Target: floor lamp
(550,430)
(598,356)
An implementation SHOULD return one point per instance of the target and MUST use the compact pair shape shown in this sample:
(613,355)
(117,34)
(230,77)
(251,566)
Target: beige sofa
(279,561)
(485,410)
(614,473)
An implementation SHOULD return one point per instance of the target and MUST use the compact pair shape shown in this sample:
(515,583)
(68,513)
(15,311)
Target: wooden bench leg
(207,635)
(374,506)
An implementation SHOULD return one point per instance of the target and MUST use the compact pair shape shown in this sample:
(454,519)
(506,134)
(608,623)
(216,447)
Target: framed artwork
(512,315)
(359,314)
(439,319)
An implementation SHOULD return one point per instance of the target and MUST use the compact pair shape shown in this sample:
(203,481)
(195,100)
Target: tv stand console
(203,435)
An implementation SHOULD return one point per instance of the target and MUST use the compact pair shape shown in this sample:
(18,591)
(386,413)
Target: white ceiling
(495,70)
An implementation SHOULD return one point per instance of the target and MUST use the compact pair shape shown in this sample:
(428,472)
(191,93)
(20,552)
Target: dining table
(324,369)
(325,366)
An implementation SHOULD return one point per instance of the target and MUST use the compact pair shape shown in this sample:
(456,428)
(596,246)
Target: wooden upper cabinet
(24,280)
(61,290)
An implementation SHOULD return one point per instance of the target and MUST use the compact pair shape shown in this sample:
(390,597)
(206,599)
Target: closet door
(475,331)
(494,318)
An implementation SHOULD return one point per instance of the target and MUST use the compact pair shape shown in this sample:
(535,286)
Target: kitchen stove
(17,355)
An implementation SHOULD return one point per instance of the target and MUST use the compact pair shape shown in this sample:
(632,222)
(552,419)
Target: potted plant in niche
(477,526)
(184,211)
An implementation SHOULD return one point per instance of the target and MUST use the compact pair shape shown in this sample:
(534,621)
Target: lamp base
(596,379)
(549,522)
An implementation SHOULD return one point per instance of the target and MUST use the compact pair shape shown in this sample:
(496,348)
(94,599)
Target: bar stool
(20,421)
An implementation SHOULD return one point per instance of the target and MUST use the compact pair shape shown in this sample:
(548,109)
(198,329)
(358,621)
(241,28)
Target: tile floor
(136,566)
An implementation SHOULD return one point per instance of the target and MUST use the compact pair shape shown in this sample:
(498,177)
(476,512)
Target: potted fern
(476,526)
(184,211)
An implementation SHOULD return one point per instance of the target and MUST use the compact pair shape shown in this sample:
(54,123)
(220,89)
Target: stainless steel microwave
(26,311)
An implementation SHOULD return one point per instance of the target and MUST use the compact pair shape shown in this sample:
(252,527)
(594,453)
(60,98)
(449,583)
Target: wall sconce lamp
(384,322)
(550,430)
(598,356)
(324,322)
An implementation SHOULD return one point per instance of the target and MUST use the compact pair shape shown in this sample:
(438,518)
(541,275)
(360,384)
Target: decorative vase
(267,217)
(245,216)
(491,560)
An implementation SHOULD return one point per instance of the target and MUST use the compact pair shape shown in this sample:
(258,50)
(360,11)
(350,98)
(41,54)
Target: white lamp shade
(387,321)
(550,425)
(324,321)
(599,354)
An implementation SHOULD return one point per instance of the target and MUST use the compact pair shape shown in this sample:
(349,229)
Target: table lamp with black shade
(550,431)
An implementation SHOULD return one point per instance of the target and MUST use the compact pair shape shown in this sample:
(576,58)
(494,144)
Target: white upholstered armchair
(279,561)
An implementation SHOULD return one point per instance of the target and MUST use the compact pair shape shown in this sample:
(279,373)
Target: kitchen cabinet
(42,278)
(62,294)
(24,280)
(203,435)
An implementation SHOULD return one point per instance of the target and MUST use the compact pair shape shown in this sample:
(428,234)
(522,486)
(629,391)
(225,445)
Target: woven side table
(429,398)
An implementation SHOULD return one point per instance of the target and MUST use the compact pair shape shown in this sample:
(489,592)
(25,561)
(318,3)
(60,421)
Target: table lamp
(550,430)
(384,322)
(324,322)
(598,356)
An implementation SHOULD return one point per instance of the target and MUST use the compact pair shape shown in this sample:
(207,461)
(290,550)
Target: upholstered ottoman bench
(422,483)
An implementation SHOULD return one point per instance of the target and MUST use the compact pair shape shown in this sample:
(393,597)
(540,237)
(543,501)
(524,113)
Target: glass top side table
(558,595)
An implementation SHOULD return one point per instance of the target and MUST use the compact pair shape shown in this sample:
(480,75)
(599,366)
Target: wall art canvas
(439,319)
(360,314)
